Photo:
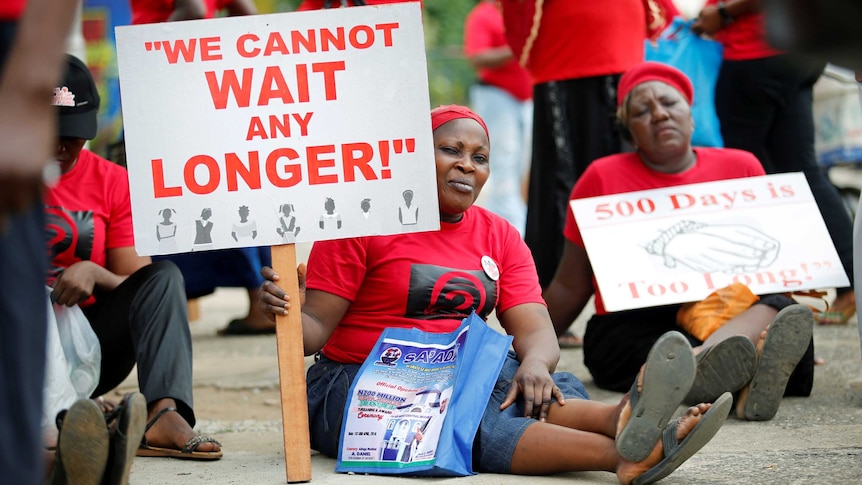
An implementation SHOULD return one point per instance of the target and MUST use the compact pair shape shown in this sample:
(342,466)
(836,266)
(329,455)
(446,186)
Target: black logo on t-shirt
(439,292)
(70,238)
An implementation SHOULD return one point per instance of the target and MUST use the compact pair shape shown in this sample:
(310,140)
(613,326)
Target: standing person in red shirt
(148,11)
(575,51)
(502,96)
(319,4)
(763,100)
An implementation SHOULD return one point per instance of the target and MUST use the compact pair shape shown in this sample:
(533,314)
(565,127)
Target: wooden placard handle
(291,370)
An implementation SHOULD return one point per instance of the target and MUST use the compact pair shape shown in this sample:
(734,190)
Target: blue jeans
(510,124)
(23,323)
(328,388)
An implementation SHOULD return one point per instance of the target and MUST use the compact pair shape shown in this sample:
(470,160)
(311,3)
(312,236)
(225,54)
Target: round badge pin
(490,268)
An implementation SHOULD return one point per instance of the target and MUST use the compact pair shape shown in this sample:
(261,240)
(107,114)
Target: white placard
(679,244)
(272,129)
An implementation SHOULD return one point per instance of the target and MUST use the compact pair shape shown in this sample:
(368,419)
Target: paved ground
(815,440)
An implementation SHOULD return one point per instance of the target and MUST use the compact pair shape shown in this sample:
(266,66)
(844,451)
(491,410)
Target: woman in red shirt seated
(654,103)
(536,421)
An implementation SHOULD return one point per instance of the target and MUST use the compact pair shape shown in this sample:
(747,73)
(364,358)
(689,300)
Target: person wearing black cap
(137,308)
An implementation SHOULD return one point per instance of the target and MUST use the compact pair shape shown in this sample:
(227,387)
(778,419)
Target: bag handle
(679,26)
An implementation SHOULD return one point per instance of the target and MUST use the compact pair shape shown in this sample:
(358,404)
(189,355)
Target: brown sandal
(189,450)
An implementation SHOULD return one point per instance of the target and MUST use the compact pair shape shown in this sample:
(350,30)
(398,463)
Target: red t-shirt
(12,9)
(578,39)
(428,280)
(744,38)
(153,11)
(318,4)
(625,172)
(483,30)
(659,15)
(87,213)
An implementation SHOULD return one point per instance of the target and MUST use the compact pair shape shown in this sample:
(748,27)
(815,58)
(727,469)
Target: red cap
(449,112)
(654,71)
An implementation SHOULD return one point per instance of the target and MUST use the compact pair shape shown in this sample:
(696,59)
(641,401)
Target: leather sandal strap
(634,394)
(193,443)
(159,415)
(669,441)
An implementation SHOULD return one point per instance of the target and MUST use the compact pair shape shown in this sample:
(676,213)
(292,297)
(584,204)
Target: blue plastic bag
(700,60)
(418,399)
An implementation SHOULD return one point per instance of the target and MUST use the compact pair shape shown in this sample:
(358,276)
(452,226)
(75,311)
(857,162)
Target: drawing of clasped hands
(732,248)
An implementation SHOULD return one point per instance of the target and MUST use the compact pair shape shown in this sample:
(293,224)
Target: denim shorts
(500,431)
(328,386)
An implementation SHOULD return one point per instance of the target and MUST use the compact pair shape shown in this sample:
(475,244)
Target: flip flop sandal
(667,377)
(787,339)
(189,450)
(725,367)
(569,340)
(82,445)
(675,452)
(240,327)
(127,430)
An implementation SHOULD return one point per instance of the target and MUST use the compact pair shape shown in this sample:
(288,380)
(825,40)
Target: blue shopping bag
(700,60)
(417,401)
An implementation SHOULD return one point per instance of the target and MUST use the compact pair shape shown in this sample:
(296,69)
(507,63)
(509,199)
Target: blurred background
(837,112)
(449,73)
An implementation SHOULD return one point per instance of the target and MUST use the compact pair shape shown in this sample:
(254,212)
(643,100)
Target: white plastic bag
(73,359)
(837,118)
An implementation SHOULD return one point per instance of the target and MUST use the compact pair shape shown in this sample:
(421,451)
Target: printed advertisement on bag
(399,404)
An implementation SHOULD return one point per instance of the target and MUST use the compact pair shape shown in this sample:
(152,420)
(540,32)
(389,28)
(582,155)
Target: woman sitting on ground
(137,308)
(654,107)
(537,421)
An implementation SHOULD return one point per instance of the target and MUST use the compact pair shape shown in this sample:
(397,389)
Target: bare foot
(171,430)
(627,471)
(105,405)
(743,393)
(625,405)
(841,310)
(568,340)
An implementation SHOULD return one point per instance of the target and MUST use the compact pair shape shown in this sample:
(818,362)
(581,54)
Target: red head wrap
(654,71)
(449,112)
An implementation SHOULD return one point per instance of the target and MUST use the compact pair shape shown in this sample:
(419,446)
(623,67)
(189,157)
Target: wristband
(726,18)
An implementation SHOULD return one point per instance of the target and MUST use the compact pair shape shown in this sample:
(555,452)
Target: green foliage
(449,74)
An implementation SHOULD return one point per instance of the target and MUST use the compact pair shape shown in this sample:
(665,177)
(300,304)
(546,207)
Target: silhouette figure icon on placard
(287,227)
(166,231)
(330,219)
(408,214)
(246,228)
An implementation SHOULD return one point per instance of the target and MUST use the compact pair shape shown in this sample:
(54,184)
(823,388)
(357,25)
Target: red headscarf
(654,71)
(449,112)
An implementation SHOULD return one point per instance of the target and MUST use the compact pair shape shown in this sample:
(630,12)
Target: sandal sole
(82,445)
(725,367)
(696,439)
(127,437)
(786,341)
(668,376)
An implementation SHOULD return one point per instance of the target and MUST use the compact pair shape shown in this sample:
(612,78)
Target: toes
(690,420)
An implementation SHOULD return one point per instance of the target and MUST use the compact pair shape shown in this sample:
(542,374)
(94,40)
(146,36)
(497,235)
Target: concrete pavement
(815,440)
